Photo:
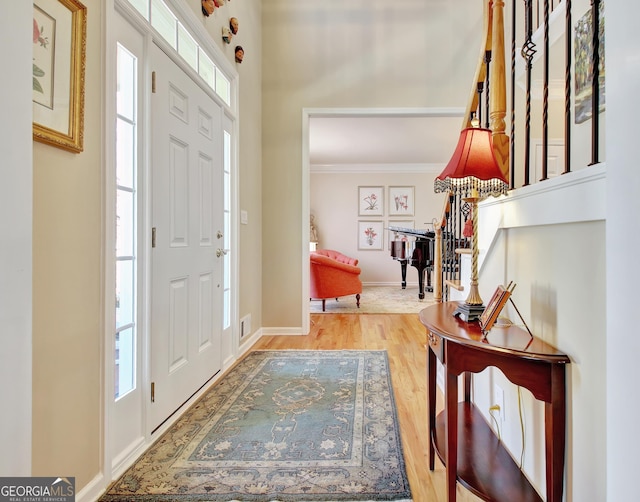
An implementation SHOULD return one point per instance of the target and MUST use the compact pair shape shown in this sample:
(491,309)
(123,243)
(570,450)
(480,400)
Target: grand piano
(415,247)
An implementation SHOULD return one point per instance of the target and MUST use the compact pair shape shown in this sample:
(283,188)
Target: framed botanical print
(370,201)
(59,48)
(401,201)
(370,235)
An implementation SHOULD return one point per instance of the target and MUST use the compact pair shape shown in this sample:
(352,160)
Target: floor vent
(245,326)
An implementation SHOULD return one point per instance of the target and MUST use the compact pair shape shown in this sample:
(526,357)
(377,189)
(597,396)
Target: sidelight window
(126,224)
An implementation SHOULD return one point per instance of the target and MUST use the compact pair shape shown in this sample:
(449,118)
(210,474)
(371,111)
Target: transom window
(175,34)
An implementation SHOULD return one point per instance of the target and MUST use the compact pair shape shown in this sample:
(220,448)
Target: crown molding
(375,168)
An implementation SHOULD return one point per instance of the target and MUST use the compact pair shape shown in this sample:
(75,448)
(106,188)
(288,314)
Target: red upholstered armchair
(334,274)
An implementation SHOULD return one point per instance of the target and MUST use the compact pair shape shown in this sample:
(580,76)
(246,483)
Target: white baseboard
(248,343)
(122,462)
(93,490)
(284,331)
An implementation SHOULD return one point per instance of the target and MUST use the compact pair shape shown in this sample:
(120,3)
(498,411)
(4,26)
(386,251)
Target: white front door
(187,221)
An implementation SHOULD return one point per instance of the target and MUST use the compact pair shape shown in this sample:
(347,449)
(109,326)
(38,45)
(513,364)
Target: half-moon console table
(470,451)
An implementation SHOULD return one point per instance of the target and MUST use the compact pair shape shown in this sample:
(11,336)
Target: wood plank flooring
(404,339)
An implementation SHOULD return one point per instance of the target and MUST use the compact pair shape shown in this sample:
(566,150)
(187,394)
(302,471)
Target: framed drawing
(401,224)
(401,201)
(370,235)
(59,49)
(370,201)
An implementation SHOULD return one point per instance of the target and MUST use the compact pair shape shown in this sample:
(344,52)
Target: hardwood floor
(404,339)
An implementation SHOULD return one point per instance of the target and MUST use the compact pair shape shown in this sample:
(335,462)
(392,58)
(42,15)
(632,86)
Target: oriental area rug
(281,426)
(376,300)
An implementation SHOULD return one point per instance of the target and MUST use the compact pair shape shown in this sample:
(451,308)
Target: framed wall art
(583,45)
(370,201)
(401,201)
(370,235)
(59,49)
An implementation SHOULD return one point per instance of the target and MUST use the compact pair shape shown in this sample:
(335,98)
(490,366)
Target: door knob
(220,252)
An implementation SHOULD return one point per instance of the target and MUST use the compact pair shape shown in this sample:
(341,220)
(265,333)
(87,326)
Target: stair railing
(529,25)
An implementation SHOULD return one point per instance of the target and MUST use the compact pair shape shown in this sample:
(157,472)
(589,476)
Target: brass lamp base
(468,312)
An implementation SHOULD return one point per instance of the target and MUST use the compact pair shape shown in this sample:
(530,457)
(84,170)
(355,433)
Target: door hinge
(153,82)
(153,237)
(153,392)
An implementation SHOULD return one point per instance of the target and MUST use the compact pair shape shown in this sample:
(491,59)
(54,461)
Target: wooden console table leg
(451,406)
(467,386)
(555,431)
(431,404)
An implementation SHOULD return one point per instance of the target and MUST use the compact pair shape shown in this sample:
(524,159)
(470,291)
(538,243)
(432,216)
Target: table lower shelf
(485,467)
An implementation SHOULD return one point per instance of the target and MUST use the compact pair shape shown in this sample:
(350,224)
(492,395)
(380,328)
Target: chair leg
(323,304)
(358,300)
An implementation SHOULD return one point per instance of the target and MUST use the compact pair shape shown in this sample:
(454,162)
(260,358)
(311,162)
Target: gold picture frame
(59,51)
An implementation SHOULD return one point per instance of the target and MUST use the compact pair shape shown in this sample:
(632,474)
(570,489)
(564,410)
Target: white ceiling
(389,139)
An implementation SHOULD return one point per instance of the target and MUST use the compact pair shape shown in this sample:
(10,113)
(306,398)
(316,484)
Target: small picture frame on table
(494,307)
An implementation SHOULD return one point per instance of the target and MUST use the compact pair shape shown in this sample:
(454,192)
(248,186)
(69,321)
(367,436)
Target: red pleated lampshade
(473,167)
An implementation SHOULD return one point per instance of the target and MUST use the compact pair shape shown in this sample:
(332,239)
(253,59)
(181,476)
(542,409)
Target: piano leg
(421,283)
(429,286)
(403,269)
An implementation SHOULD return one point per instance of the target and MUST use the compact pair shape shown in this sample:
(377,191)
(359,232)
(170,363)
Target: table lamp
(474,173)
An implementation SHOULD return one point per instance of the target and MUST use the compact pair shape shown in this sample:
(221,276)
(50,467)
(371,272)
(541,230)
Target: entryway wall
(334,205)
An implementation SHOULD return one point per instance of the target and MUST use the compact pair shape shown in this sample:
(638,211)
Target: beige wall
(334,204)
(67,290)
(345,54)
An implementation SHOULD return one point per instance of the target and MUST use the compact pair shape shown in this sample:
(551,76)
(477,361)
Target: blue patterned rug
(285,426)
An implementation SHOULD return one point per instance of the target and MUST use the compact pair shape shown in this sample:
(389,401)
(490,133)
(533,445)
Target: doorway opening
(367,142)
